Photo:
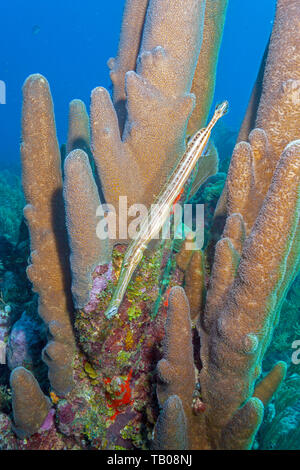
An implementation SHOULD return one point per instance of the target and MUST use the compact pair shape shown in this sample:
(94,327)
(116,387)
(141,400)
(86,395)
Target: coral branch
(278,112)
(79,127)
(30,406)
(129,45)
(233,352)
(82,202)
(171,427)
(203,85)
(49,271)
(269,385)
(176,371)
(158,105)
(194,283)
(240,431)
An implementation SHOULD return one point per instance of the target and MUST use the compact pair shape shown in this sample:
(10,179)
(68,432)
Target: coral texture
(204,320)
(49,271)
(204,79)
(30,406)
(256,258)
(158,103)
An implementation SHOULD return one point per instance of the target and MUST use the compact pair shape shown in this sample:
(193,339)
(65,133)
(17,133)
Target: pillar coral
(256,258)
(136,140)
(273,113)
(30,405)
(203,85)
(82,201)
(176,374)
(158,103)
(79,127)
(129,45)
(49,271)
(245,292)
(152,75)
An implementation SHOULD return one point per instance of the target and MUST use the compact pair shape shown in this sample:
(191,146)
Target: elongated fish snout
(222,108)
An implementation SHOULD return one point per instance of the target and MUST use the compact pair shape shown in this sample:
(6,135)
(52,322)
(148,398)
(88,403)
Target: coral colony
(162,209)
(177,362)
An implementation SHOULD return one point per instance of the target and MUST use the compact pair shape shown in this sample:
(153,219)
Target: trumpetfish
(161,210)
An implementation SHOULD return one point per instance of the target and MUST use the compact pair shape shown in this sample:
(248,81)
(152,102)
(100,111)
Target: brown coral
(30,405)
(49,271)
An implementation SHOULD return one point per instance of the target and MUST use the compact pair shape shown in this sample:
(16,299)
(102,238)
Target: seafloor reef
(188,362)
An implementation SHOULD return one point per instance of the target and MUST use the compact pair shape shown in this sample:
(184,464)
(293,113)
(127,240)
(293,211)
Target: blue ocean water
(69,41)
